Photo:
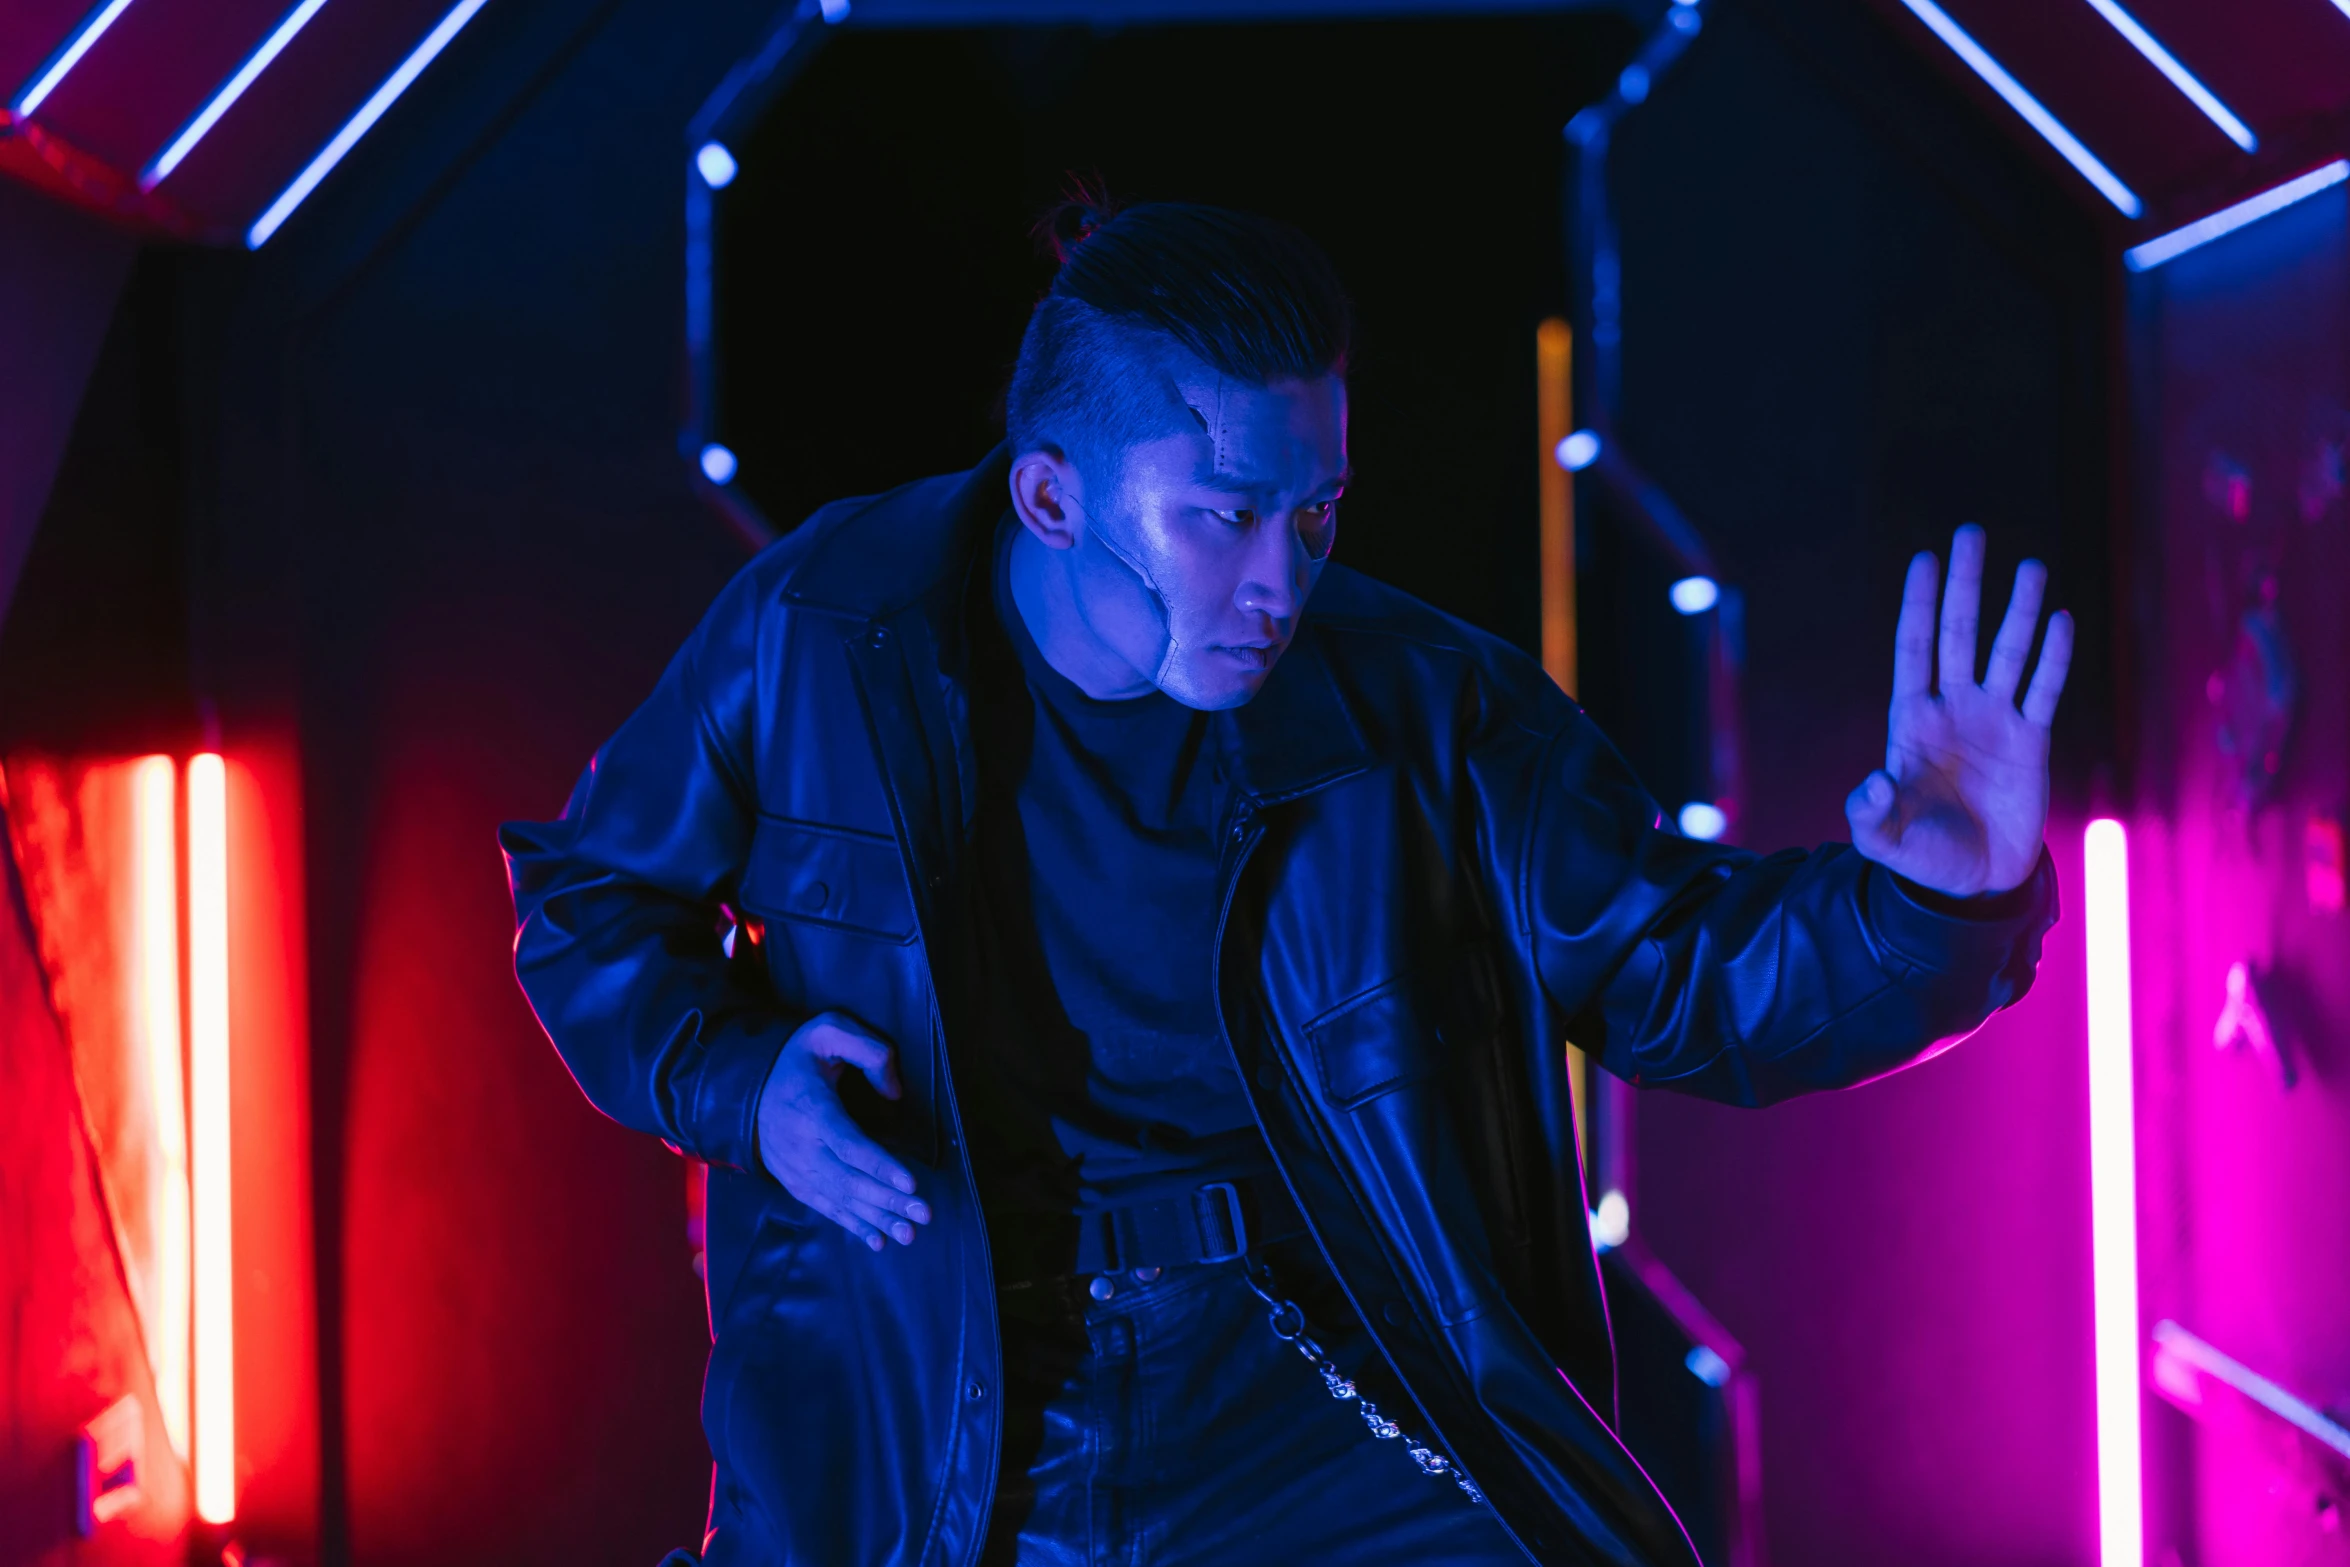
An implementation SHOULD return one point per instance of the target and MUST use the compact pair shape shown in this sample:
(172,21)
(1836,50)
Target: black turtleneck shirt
(1104,1077)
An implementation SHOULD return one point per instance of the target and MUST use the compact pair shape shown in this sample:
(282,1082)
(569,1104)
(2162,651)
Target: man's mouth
(1252,655)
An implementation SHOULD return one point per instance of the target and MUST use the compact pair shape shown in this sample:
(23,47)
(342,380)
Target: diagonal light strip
(1995,75)
(93,28)
(2180,77)
(359,124)
(2152,254)
(230,91)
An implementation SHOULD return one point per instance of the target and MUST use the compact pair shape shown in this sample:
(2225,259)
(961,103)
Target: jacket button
(879,637)
(814,897)
(975,1390)
(1240,829)
(1101,1288)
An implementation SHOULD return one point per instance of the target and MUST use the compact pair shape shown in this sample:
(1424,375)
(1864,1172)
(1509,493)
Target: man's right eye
(1239,517)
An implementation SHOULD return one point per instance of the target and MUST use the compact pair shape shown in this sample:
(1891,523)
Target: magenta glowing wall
(2244,563)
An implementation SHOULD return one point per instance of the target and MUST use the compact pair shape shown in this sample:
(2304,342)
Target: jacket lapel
(1296,736)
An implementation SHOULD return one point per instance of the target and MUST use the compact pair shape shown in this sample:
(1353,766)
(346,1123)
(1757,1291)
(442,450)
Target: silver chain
(1289,1324)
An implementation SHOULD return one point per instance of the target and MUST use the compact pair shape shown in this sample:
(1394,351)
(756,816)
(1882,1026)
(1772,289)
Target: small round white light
(717,165)
(1633,84)
(718,463)
(1611,1221)
(835,11)
(1700,820)
(1578,451)
(1695,595)
(1708,1366)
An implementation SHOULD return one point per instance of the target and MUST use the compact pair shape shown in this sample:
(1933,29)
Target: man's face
(1196,566)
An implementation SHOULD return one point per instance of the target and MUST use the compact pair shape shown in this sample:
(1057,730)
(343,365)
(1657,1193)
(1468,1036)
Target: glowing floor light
(359,124)
(92,29)
(230,91)
(2184,80)
(2152,254)
(2113,1206)
(1703,819)
(1578,451)
(1695,595)
(716,164)
(208,1140)
(2035,114)
(718,464)
(155,859)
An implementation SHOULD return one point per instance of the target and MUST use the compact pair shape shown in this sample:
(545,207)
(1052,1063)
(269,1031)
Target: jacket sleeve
(616,905)
(1743,978)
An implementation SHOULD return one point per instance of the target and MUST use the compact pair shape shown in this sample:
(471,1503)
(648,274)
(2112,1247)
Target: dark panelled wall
(1856,314)
(444,541)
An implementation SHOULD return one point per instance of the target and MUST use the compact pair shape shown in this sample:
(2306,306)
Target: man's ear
(1047,497)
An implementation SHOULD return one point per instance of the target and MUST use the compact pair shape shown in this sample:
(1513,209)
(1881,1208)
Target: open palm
(1962,800)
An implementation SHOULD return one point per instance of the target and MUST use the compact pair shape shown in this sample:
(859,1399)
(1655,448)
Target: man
(1131,1070)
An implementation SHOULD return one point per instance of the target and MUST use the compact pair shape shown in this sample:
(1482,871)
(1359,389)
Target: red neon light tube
(208,1140)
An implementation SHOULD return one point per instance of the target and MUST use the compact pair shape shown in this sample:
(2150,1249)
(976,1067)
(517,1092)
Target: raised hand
(1962,799)
(809,1143)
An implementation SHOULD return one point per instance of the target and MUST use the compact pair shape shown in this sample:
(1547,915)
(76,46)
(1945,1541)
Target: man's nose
(1274,583)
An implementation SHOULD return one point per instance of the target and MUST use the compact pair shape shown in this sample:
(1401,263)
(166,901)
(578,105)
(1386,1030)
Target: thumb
(833,1037)
(1871,810)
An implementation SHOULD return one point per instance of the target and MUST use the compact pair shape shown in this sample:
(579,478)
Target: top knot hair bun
(1083,210)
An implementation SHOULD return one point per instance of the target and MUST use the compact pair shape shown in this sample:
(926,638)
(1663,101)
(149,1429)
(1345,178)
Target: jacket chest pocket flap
(832,876)
(1371,1045)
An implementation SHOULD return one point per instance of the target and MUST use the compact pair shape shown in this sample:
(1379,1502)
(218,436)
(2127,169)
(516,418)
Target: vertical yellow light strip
(155,860)
(208,1104)
(1554,417)
(1554,359)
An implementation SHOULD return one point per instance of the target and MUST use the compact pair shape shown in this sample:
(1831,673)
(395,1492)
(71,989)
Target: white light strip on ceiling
(231,90)
(2035,115)
(2152,254)
(2180,77)
(93,28)
(359,124)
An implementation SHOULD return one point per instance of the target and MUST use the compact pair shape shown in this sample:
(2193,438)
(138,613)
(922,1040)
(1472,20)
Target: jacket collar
(915,546)
(1296,735)
(911,546)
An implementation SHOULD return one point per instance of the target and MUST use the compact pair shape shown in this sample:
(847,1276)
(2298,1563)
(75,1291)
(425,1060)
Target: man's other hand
(809,1143)
(1963,797)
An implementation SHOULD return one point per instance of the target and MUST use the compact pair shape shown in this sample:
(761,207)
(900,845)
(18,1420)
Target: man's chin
(1217,690)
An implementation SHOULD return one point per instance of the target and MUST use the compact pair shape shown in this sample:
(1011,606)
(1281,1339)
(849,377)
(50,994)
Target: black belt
(1212,1223)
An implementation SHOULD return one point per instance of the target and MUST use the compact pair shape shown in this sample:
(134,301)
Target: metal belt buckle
(1239,1225)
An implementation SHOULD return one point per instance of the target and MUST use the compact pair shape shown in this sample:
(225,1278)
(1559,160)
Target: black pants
(1168,1425)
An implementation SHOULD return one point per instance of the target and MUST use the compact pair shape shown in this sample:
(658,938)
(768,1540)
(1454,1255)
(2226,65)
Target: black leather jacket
(1436,869)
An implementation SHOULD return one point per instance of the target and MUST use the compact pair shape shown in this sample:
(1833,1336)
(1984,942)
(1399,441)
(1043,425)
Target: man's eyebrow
(1227,479)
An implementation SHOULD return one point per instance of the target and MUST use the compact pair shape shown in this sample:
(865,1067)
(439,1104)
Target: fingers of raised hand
(2056,659)
(1913,638)
(1962,606)
(2014,643)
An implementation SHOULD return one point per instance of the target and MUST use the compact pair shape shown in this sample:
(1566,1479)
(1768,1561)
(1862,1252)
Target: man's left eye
(1239,518)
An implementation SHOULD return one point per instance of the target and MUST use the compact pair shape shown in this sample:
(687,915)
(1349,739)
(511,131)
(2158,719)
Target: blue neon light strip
(2180,77)
(2152,254)
(93,28)
(1995,74)
(231,90)
(359,124)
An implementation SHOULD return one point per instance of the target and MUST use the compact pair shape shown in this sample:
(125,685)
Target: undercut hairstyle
(1138,290)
